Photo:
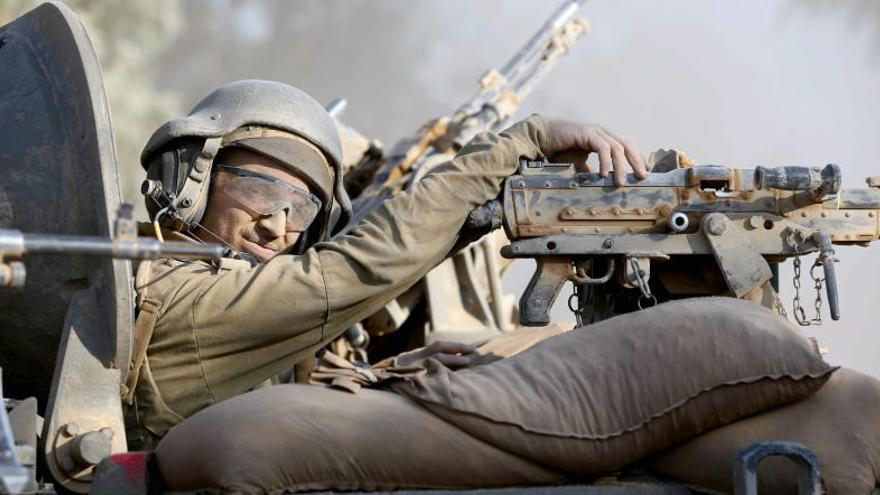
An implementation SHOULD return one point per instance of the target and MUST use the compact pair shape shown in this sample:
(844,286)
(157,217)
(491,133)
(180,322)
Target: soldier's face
(262,236)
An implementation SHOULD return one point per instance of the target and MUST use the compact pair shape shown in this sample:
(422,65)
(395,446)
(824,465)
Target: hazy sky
(738,83)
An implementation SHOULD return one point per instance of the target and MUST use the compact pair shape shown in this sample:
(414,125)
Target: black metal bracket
(745,467)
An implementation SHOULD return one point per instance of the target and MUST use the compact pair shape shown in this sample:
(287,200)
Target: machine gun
(464,293)
(737,222)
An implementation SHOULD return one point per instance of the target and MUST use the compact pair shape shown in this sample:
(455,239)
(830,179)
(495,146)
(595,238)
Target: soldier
(257,166)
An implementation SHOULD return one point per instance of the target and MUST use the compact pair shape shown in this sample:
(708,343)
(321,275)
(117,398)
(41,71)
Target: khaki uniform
(220,330)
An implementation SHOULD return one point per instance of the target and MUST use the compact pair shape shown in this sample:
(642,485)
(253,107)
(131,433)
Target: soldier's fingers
(631,153)
(445,347)
(618,157)
(603,149)
(453,361)
(634,157)
(639,165)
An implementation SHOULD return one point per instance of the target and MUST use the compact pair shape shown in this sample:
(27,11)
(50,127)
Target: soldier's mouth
(259,251)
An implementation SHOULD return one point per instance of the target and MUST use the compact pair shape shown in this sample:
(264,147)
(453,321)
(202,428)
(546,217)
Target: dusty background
(740,83)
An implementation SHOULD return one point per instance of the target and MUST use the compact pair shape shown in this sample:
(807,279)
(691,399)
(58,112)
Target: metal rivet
(824,214)
(846,214)
(804,214)
(216,116)
(547,185)
(71,429)
(186,202)
(90,448)
(756,221)
(608,243)
(716,224)
(521,183)
(572,185)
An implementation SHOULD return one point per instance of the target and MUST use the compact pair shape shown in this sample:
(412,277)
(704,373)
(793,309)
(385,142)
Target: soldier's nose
(273,226)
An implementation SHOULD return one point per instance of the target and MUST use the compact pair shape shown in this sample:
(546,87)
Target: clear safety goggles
(264,195)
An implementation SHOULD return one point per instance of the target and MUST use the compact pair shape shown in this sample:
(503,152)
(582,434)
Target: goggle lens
(265,195)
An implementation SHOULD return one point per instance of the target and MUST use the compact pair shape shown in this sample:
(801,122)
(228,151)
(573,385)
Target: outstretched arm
(249,324)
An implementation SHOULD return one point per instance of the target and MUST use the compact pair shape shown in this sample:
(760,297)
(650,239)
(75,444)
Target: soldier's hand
(452,354)
(573,142)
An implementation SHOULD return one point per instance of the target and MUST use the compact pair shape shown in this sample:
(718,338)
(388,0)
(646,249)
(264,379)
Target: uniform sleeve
(250,324)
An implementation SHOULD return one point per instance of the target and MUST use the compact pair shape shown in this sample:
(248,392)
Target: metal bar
(826,257)
(104,246)
(537,42)
(336,107)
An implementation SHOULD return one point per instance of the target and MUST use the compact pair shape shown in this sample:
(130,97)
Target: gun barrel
(537,42)
(496,102)
(15,243)
(336,107)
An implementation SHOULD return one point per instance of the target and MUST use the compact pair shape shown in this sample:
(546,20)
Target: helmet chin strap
(231,252)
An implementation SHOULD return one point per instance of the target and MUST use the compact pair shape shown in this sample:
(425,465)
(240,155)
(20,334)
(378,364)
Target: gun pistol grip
(538,298)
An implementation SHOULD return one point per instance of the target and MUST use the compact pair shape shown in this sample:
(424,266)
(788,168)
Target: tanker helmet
(270,118)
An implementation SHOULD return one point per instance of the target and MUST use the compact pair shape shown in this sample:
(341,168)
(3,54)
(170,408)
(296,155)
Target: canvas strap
(143,332)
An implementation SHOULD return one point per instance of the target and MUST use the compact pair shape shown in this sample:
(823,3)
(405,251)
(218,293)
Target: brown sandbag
(598,398)
(302,437)
(510,344)
(841,424)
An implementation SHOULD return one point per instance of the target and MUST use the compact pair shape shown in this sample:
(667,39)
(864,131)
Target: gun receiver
(744,218)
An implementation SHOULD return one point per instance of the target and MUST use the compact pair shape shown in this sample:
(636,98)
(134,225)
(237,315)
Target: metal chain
(796,307)
(577,307)
(817,284)
(643,285)
(799,313)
